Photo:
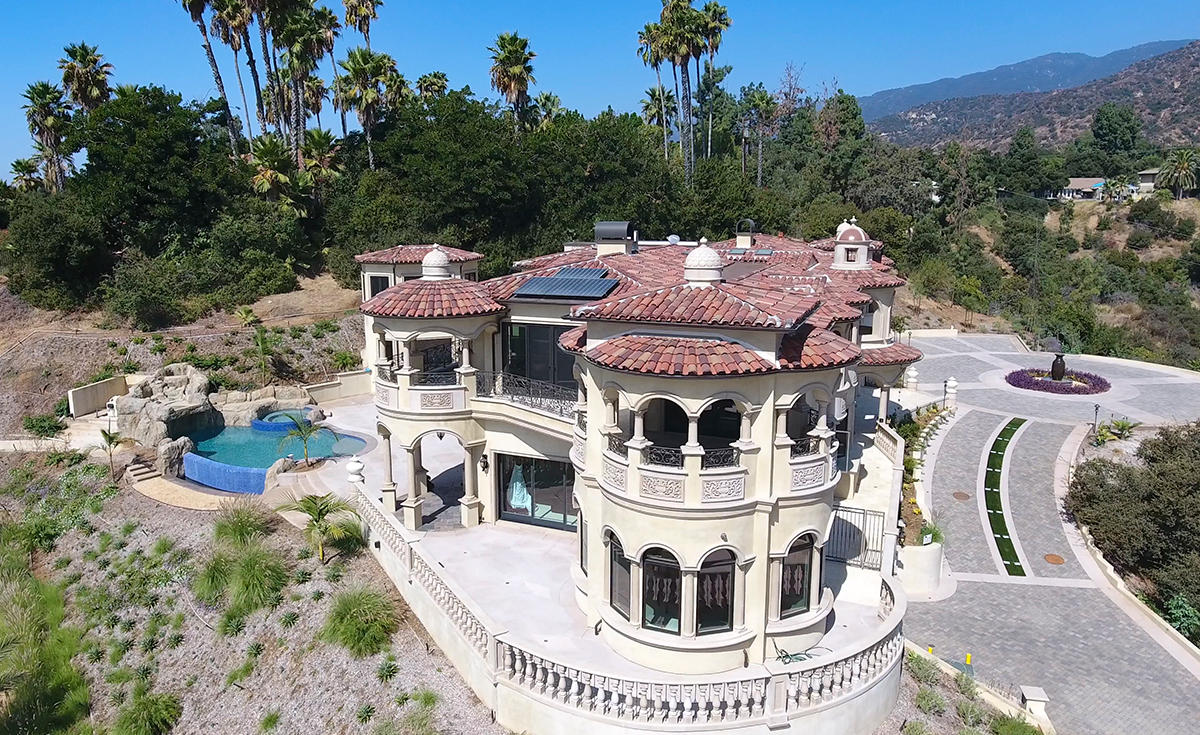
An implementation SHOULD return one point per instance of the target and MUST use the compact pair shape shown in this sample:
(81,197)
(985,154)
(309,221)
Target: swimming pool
(281,421)
(243,446)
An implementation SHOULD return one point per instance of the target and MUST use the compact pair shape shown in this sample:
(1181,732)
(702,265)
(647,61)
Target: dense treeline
(177,212)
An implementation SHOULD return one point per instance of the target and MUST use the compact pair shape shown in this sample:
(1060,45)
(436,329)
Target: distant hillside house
(1146,180)
(1082,188)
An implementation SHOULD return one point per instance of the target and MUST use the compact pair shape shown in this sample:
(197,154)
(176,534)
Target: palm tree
(304,45)
(25,174)
(327,518)
(304,431)
(396,89)
(85,76)
(246,316)
(683,40)
(46,114)
(659,108)
(548,106)
(762,115)
(1179,171)
(512,72)
(230,20)
(320,158)
(360,14)
(716,22)
(361,89)
(264,345)
(259,9)
(330,28)
(110,442)
(315,94)
(650,49)
(195,9)
(433,84)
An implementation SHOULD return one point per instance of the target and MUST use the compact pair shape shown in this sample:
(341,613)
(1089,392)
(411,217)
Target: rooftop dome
(703,265)
(436,264)
(852,233)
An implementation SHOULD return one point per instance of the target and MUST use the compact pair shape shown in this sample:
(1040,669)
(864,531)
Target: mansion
(671,515)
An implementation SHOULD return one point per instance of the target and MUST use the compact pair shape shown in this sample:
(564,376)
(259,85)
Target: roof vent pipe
(616,238)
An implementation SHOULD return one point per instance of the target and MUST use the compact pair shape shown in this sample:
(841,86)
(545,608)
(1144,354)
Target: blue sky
(586,51)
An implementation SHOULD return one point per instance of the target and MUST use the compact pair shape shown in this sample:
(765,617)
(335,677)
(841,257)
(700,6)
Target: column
(885,397)
(781,417)
(470,503)
(692,458)
(687,604)
(411,507)
(635,592)
(389,484)
(466,373)
(774,582)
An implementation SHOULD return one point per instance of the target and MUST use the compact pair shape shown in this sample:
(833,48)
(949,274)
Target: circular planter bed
(1075,383)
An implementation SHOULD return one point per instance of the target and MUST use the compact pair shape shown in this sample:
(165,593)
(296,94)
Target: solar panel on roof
(554,287)
(581,273)
(738,251)
(764,251)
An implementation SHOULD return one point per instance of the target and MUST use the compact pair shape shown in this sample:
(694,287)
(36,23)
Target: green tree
(716,22)
(265,344)
(110,442)
(1179,171)
(1116,128)
(26,174)
(48,118)
(85,76)
(360,14)
(304,431)
(512,72)
(58,254)
(327,519)
(230,19)
(195,9)
(431,85)
(651,52)
(361,89)
(660,108)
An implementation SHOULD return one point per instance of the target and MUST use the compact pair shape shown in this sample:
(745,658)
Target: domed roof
(704,257)
(852,233)
(436,258)
(842,227)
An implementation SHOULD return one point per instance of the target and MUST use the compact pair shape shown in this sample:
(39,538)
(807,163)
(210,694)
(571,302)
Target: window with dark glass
(472,276)
(583,544)
(714,593)
(537,491)
(618,578)
(531,351)
(797,578)
(377,284)
(866,325)
(661,585)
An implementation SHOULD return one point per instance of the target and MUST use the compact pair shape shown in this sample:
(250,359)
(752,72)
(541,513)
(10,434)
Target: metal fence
(723,457)
(518,389)
(856,537)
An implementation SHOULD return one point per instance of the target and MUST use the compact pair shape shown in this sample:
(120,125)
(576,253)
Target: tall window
(797,578)
(532,351)
(583,544)
(536,491)
(714,593)
(377,284)
(661,585)
(618,577)
(866,325)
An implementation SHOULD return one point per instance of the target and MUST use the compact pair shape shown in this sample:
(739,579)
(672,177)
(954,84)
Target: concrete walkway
(1107,667)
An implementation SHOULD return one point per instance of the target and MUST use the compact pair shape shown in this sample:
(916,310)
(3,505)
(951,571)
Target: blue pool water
(285,416)
(247,447)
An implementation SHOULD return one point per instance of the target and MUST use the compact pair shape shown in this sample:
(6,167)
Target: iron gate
(856,537)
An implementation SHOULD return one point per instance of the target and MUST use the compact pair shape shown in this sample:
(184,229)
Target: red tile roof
(422,299)
(677,356)
(718,304)
(573,340)
(894,354)
(412,255)
(816,349)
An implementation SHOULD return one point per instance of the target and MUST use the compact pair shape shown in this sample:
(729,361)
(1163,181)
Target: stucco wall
(356,383)
(94,397)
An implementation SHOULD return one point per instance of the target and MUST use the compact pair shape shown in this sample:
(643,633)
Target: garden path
(1105,665)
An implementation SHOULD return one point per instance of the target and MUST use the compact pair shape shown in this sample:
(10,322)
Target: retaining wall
(94,397)
(345,385)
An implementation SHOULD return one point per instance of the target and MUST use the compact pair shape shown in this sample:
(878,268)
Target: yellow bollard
(968,659)
(931,649)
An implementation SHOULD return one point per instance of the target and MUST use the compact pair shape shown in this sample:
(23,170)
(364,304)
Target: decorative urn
(1058,369)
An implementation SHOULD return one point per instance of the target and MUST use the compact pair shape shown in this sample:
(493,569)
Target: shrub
(971,713)
(334,572)
(362,620)
(130,366)
(44,425)
(1008,725)
(425,697)
(240,673)
(965,685)
(210,584)
(232,624)
(915,727)
(303,576)
(930,702)
(922,669)
(289,619)
(258,575)
(345,360)
(148,714)
(139,340)
(1104,223)
(388,668)
(175,640)
(365,713)
(62,407)
(1140,239)
(269,721)
(242,520)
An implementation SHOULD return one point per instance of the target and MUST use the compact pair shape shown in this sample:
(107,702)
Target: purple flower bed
(1028,380)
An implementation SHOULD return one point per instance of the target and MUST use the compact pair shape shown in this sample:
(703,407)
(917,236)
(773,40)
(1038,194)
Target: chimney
(615,238)
(745,234)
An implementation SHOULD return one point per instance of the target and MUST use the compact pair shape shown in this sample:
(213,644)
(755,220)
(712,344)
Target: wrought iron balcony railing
(537,394)
(448,377)
(804,446)
(616,445)
(663,456)
(723,457)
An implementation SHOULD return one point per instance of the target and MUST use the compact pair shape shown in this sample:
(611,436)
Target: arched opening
(796,581)
(866,325)
(719,426)
(666,427)
(620,574)
(715,593)
(802,418)
(436,357)
(662,582)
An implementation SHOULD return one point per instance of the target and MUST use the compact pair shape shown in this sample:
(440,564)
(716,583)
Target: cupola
(851,247)
(435,266)
(703,266)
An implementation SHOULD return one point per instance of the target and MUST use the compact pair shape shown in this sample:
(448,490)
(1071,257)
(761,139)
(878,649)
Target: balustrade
(435,378)
(536,394)
(723,457)
(663,456)
(616,445)
(805,446)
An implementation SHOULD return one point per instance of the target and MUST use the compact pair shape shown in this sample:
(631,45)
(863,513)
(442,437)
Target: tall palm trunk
(712,66)
(758,180)
(216,72)
(258,100)
(336,78)
(298,118)
(272,74)
(662,111)
(237,67)
(685,104)
(366,126)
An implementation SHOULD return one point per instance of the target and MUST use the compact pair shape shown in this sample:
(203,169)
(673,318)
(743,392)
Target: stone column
(687,604)
(470,503)
(635,592)
(389,484)
(693,455)
(411,507)
(885,397)
(781,418)
(774,584)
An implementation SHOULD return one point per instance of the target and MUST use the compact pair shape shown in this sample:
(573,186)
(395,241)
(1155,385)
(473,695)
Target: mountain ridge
(1164,90)
(1060,70)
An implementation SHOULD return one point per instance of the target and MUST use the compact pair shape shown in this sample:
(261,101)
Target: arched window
(618,577)
(661,585)
(714,593)
(582,543)
(797,578)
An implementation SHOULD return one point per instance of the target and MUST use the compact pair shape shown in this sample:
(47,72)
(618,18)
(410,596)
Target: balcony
(536,394)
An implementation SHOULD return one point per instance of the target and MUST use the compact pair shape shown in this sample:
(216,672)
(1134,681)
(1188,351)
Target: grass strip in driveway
(991,494)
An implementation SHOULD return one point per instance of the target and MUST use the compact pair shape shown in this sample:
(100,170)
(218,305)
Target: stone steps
(141,471)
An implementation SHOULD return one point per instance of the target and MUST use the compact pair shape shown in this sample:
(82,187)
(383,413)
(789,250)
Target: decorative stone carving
(667,488)
(577,449)
(806,477)
(382,395)
(613,475)
(437,400)
(729,488)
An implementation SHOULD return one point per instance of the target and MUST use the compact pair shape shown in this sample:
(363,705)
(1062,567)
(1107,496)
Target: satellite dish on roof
(673,239)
